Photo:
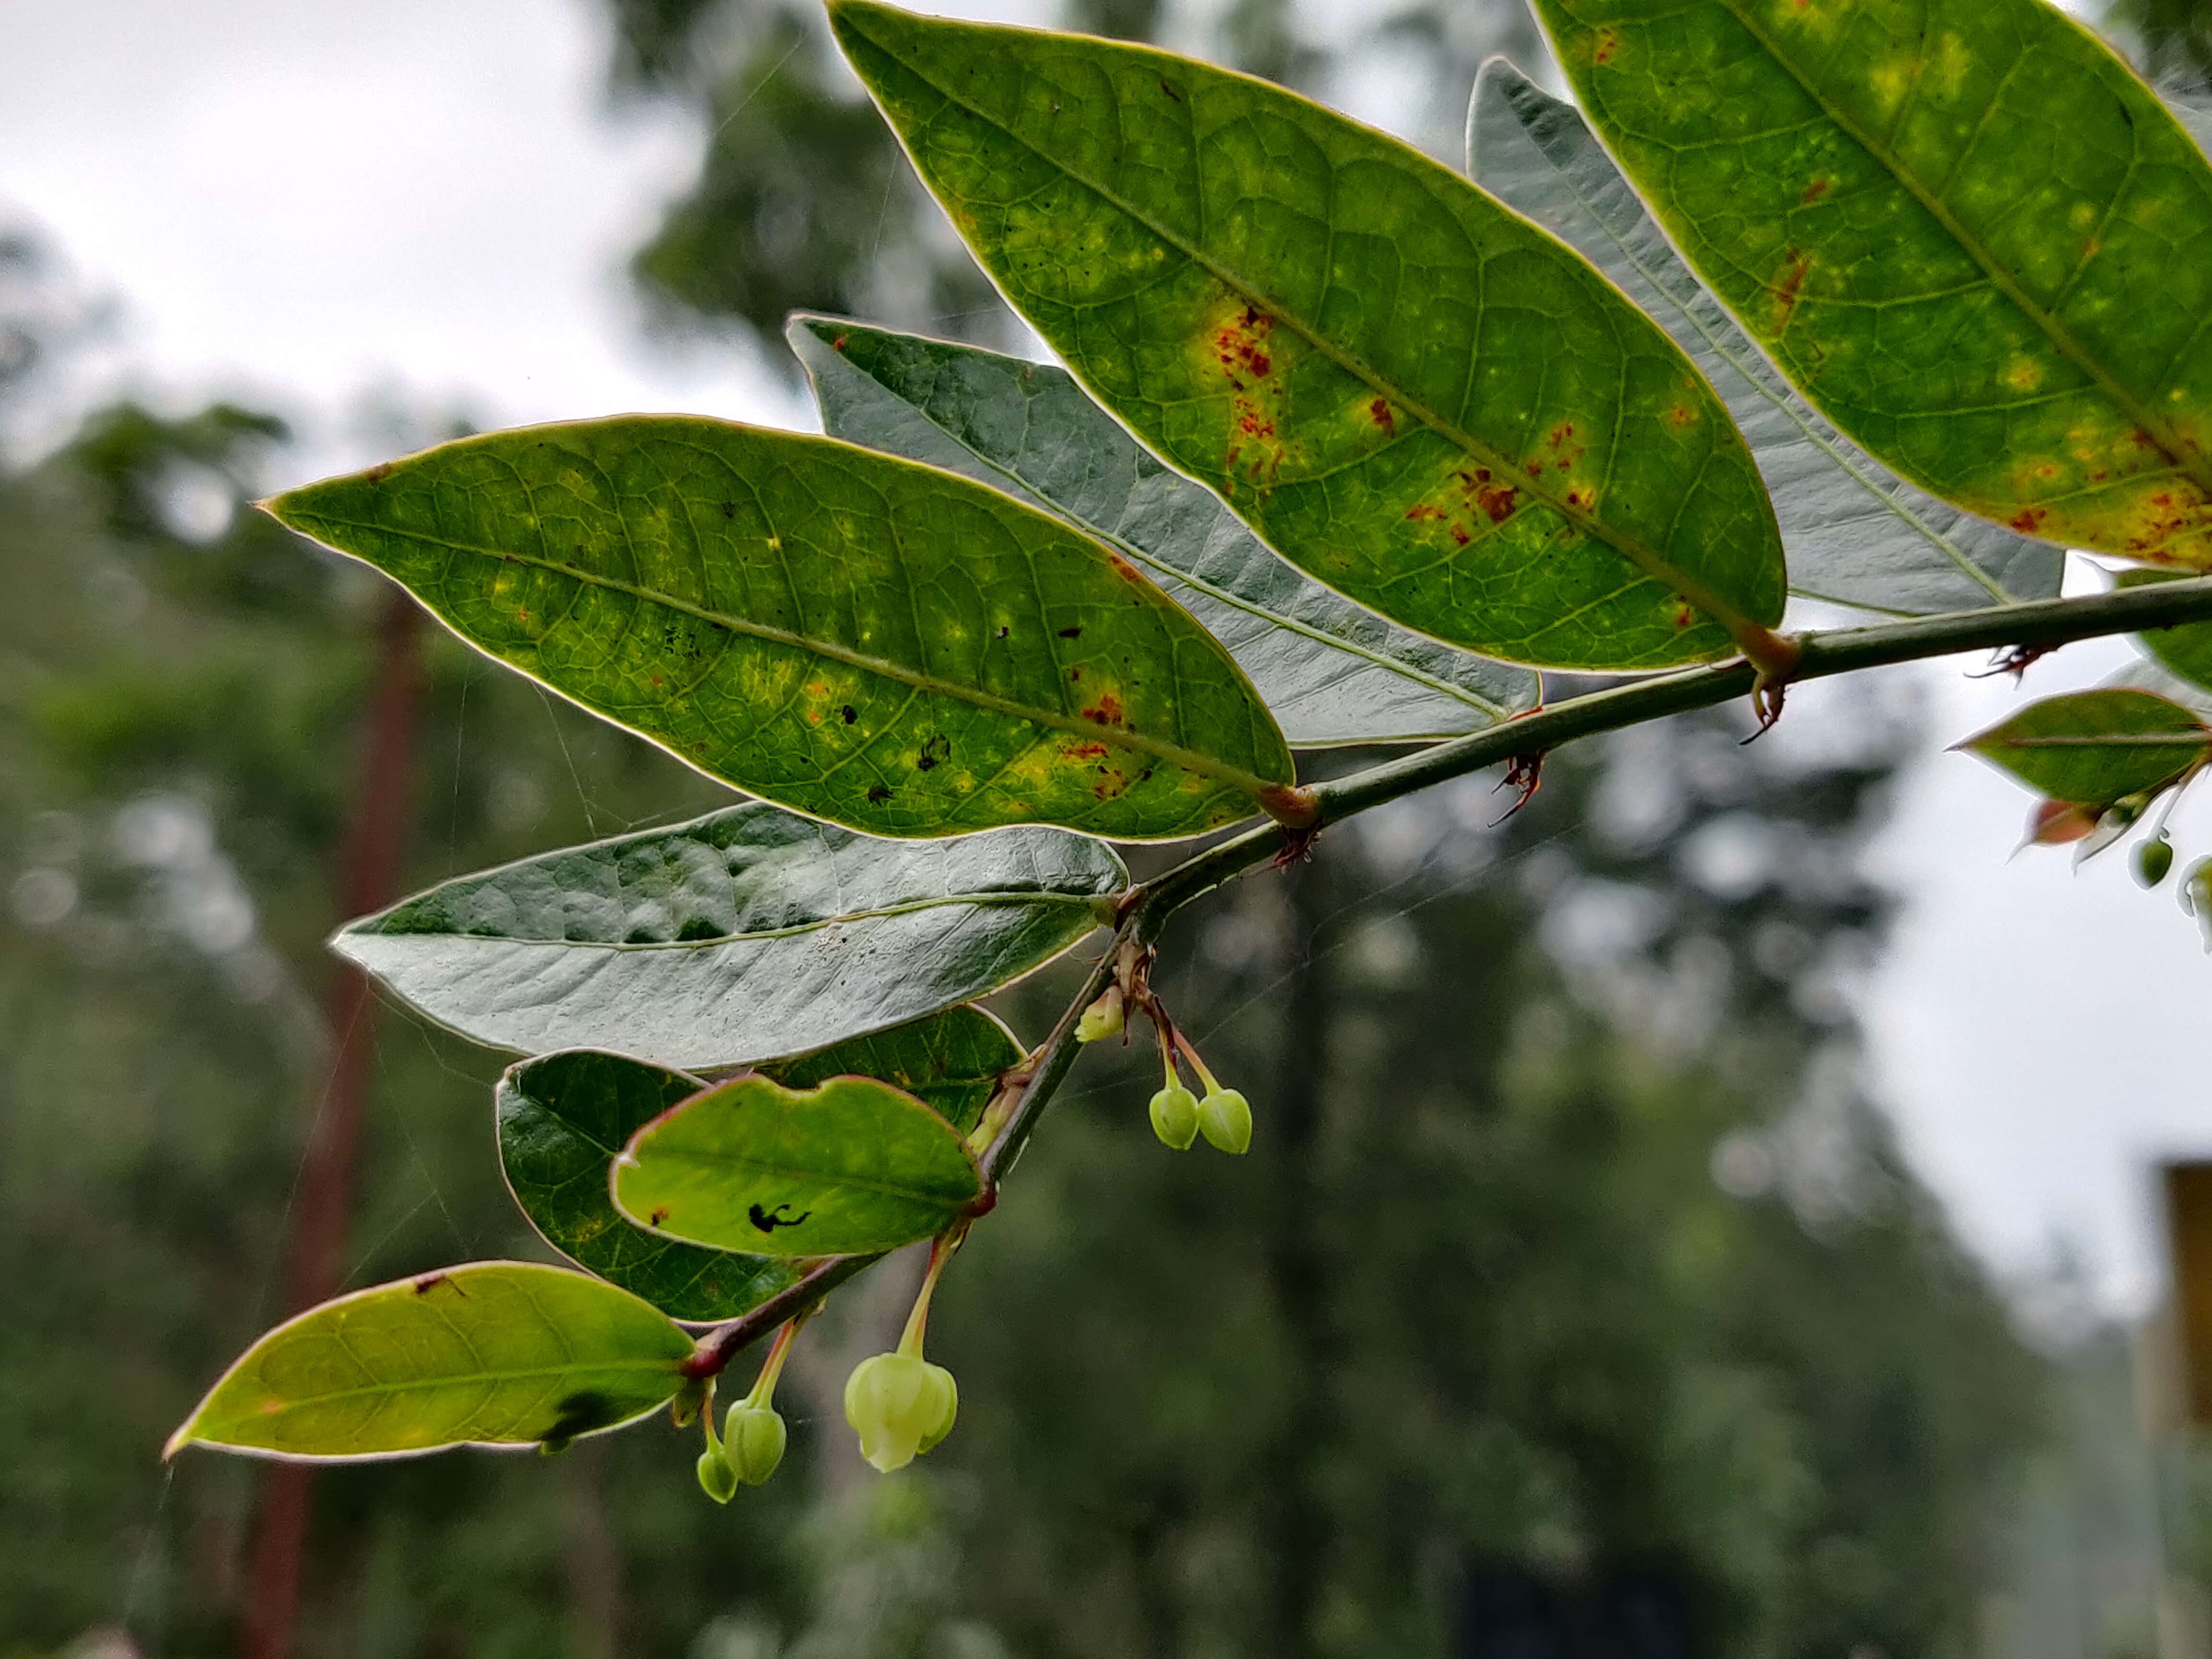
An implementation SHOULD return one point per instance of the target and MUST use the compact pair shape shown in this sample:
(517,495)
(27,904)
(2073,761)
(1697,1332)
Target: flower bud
(1175,1116)
(901,1405)
(2153,858)
(1103,1018)
(716,1478)
(1226,1118)
(753,1439)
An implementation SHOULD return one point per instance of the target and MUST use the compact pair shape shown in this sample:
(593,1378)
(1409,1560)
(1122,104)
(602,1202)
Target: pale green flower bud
(1103,1018)
(1226,1118)
(716,1478)
(1175,1116)
(901,1405)
(753,1439)
(2153,858)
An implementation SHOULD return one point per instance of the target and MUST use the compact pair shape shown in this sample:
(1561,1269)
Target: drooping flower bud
(1226,1118)
(753,1439)
(716,1478)
(1103,1018)
(2197,897)
(1175,1116)
(901,1405)
(2055,822)
(2153,858)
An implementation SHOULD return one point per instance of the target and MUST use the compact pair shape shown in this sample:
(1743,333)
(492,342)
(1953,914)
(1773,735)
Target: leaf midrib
(1792,407)
(2169,446)
(1634,552)
(734,1160)
(1213,591)
(1249,783)
(988,901)
(293,1402)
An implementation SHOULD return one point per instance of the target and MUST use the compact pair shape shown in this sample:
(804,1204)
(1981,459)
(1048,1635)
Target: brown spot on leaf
(1170,90)
(838,345)
(2026,520)
(1792,284)
(1085,752)
(1075,633)
(935,749)
(1459,535)
(1607,44)
(1423,511)
(878,794)
(1106,711)
(1681,416)
(1111,781)
(1815,191)
(659,1216)
(1379,412)
(847,711)
(380,472)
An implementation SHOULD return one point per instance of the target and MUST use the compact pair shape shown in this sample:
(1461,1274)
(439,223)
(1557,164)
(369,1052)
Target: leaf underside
(497,1354)
(1413,395)
(747,934)
(1855,533)
(1941,218)
(847,1168)
(876,643)
(565,1118)
(1333,672)
(2092,748)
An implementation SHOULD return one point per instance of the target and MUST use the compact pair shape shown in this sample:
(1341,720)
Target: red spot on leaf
(1085,752)
(1106,711)
(2026,521)
(1459,535)
(1791,285)
(1379,412)
(1498,501)
(838,345)
(1815,191)
(1607,44)
(1423,511)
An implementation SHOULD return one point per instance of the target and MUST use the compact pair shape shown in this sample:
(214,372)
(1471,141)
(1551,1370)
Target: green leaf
(495,1354)
(870,641)
(1855,533)
(1332,671)
(565,1118)
(2092,748)
(749,933)
(1964,228)
(1416,397)
(2186,650)
(847,1168)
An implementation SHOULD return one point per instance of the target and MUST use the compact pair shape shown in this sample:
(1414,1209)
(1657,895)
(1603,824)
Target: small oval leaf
(565,1118)
(847,1168)
(748,934)
(1333,672)
(1855,533)
(1409,391)
(867,641)
(494,1353)
(2092,748)
(1871,189)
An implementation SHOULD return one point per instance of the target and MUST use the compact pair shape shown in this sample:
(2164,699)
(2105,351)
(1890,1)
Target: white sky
(304,203)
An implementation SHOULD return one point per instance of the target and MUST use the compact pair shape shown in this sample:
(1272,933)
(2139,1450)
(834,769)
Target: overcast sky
(305,205)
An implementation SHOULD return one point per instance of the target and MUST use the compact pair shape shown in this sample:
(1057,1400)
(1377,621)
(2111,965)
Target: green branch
(1144,914)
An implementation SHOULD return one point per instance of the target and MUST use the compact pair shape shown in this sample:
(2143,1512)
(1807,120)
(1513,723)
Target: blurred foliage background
(1573,1301)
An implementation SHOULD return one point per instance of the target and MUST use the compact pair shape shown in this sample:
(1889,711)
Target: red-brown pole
(368,873)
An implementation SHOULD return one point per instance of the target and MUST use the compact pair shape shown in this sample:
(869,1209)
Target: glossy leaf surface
(565,1118)
(873,643)
(495,1354)
(1413,395)
(745,935)
(1855,533)
(2092,748)
(1332,671)
(1963,227)
(847,1168)
(2185,651)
